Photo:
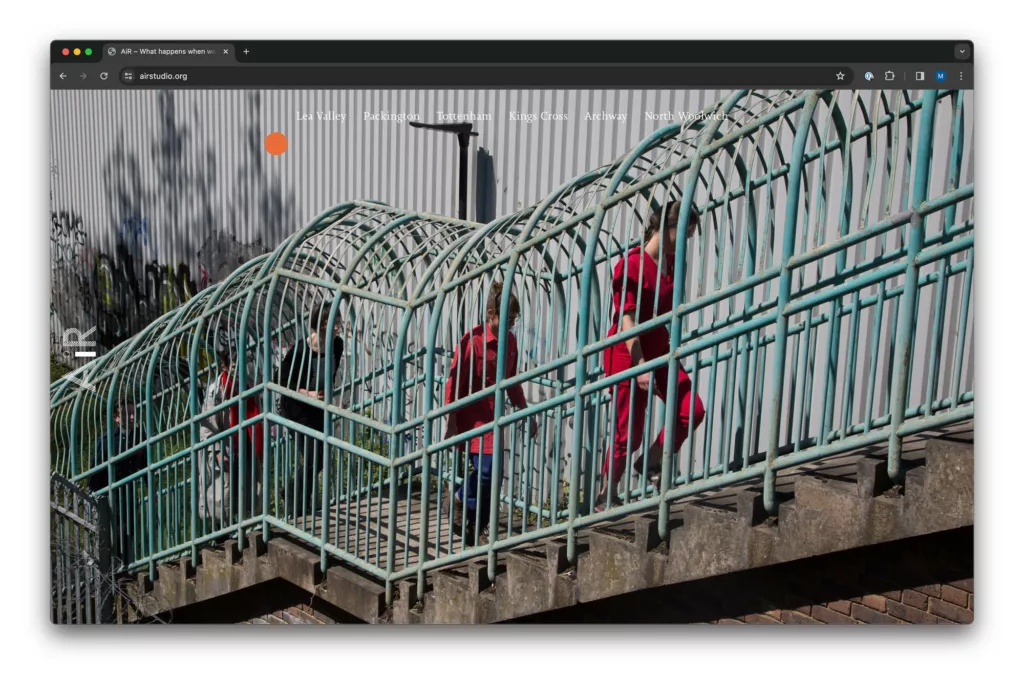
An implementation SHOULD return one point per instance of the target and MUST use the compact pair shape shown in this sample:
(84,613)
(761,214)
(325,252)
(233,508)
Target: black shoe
(652,468)
(474,536)
(453,505)
(653,472)
(601,501)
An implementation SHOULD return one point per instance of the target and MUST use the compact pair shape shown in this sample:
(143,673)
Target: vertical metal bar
(794,381)
(743,347)
(267,400)
(114,520)
(670,442)
(915,241)
(749,429)
(88,554)
(512,456)
(876,332)
(948,220)
(397,415)
(843,131)
(583,337)
(729,401)
(61,526)
(327,428)
(428,438)
(554,481)
(935,348)
(806,377)
(851,365)
(73,445)
(961,334)
(528,461)
(671,421)
(150,506)
(785,286)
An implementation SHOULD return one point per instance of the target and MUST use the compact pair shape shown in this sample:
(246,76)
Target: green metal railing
(80,583)
(823,306)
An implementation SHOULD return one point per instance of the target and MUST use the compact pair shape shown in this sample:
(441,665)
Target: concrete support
(824,515)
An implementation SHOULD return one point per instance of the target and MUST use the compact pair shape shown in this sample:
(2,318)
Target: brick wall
(951,602)
(927,580)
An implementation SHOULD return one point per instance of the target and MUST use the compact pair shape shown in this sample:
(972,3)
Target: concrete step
(712,541)
(290,616)
(822,514)
(168,582)
(620,561)
(302,616)
(462,595)
(940,495)
(407,608)
(537,579)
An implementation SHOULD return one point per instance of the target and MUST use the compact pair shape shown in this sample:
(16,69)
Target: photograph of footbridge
(401,417)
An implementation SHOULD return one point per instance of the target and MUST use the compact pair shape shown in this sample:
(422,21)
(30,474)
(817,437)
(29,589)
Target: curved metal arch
(331,217)
(401,262)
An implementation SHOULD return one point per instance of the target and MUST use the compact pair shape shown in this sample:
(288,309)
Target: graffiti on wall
(169,235)
(124,304)
(68,273)
(67,239)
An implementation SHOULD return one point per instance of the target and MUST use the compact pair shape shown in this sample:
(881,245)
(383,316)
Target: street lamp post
(462,131)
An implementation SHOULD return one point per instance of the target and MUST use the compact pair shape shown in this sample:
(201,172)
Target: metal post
(785,287)
(463,173)
(908,303)
(106,584)
(463,131)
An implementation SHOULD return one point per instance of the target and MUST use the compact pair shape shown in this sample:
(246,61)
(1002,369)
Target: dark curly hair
(318,321)
(672,220)
(494,300)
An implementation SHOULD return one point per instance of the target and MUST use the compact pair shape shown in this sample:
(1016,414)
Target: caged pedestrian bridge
(822,311)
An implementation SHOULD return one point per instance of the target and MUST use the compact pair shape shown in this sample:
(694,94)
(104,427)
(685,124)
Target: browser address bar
(485,76)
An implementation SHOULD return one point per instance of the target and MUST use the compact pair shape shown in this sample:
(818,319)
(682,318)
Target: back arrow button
(63,76)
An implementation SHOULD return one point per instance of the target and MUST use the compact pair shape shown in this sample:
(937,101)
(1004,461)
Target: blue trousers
(467,494)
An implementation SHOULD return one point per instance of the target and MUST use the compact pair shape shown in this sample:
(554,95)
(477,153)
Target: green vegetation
(57,369)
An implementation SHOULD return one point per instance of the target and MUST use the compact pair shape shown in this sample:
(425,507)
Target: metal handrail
(820,222)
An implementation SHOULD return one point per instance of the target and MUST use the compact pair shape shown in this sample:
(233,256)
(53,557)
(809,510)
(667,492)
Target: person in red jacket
(642,285)
(474,368)
(227,387)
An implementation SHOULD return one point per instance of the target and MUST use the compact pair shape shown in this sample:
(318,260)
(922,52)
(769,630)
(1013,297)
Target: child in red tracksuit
(642,285)
(252,436)
(473,369)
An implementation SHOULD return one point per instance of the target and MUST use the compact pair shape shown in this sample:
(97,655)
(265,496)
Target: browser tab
(497,330)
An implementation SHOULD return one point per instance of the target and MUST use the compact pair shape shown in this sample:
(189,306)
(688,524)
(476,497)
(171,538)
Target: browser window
(561,304)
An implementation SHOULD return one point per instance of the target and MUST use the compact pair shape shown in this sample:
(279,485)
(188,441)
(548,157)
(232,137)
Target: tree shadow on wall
(172,230)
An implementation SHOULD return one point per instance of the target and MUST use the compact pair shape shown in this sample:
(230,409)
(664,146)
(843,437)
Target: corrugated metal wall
(156,194)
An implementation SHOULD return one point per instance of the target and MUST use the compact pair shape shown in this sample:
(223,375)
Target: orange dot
(276,143)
